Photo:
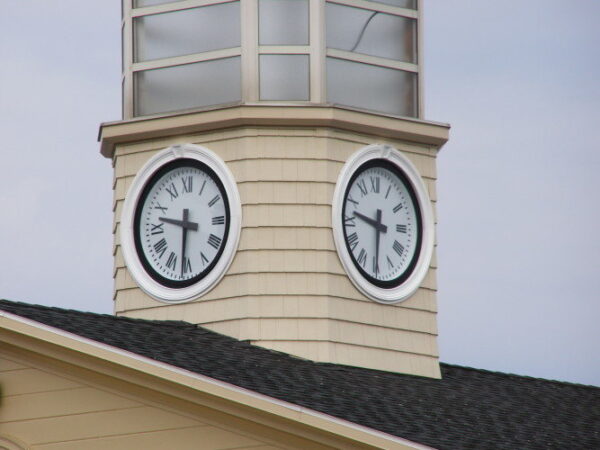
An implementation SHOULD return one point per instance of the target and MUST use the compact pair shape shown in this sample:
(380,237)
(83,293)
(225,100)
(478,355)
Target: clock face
(381,223)
(181,223)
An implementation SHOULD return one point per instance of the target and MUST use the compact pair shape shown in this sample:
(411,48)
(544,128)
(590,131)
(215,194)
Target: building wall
(286,288)
(43,409)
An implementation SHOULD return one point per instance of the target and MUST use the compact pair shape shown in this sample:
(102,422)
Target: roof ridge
(516,375)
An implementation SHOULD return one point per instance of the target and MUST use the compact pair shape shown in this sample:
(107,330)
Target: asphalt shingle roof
(467,408)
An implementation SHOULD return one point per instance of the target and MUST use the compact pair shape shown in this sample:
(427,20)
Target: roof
(467,408)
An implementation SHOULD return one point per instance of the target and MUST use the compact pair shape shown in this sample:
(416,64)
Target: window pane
(283,22)
(284,77)
(188,86)
(371,87)
(371,33)
(140,3)
(410,4)
(188,31)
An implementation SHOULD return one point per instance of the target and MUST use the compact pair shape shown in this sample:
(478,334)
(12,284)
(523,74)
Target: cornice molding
(135,130)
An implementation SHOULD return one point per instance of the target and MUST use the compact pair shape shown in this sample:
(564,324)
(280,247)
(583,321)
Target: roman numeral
(352,241)
(160,247)
(157,229)
(204,260)
(375,182)
(362,257)
(215,199)
(401,228)
(202,188)
(363,187)
(388,191)
(172,190)
(162,208)
(375,266)
(172,261)
(214,241)
(218,220)
(187,266)
(187,183)
(398,207)
(398,248)
(350,199)
(349,221)
(390,263)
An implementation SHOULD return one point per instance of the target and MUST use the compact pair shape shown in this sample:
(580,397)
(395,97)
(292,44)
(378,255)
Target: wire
(363,30)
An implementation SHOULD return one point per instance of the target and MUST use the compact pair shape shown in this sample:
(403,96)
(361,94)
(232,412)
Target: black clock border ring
(175,164)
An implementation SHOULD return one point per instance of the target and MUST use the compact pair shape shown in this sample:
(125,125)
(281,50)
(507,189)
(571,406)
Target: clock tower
(274,178)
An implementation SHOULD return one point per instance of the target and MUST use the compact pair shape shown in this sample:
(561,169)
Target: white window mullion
(420,75)
(317,51)
(186,59)
(249,15)
(373,60)
(127,49)
(284,49)
(176,6)
(372,6)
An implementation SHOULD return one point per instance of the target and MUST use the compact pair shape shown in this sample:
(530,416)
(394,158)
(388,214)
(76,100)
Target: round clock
(383,224)
(181,223)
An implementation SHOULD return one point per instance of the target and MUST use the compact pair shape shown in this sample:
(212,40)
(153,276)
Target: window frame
(250,50)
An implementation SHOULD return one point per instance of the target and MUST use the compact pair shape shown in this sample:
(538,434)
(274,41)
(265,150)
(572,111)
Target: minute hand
(378,225)
(181,223)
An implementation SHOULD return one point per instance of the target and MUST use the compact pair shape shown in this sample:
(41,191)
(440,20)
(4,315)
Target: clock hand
(377,236)
(378,225)
(181,223)
(184,230)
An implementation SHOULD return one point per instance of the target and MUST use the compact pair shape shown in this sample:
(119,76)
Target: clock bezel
(156,176)
(408,285)
(167,292)
(386,164)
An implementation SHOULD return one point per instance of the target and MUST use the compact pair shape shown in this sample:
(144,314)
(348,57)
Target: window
(189,54)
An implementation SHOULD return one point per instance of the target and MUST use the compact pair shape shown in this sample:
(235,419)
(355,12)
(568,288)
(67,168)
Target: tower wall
(286,288)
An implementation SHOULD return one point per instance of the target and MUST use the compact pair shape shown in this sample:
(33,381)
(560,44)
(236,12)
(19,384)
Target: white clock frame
(132,261)
(411,284)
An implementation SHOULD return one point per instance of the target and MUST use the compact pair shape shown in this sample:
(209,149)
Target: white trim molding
(411,284)
(132,261)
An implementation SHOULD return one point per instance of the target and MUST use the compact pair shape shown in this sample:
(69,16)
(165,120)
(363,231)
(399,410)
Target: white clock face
(181,223)
(381,223)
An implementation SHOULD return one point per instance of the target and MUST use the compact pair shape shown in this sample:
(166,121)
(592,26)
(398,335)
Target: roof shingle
(467,408)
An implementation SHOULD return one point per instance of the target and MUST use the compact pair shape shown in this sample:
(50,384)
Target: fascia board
(408,129)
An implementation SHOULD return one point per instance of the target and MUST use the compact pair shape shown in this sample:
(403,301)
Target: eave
(99,361)
(198,121)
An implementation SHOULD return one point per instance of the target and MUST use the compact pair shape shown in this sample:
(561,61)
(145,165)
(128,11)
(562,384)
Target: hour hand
(378,225)
(180,223)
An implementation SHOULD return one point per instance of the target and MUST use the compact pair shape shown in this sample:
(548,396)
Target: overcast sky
(518,191)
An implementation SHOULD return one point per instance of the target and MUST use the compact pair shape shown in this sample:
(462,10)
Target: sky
(518,199)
